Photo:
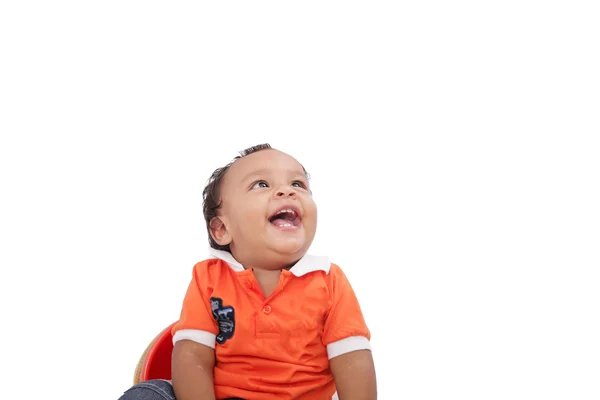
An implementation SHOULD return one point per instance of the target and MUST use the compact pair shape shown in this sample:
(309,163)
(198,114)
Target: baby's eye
(299,184)
(260,184)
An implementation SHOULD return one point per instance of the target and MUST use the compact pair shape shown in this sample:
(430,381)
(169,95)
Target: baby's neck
(265,262)
(267,280)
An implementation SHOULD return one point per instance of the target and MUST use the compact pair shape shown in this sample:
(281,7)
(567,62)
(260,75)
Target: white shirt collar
(306,264)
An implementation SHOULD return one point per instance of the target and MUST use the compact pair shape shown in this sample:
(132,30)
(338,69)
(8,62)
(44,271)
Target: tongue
(281,222)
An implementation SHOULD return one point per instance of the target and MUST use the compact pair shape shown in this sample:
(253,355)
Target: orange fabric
(278,347)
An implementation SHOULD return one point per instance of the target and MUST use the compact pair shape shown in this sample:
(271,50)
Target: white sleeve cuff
(195,335)
(347,345)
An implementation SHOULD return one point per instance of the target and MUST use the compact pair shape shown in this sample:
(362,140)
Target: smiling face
(268,216)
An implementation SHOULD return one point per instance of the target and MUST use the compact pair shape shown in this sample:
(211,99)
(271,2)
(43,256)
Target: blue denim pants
(155,389)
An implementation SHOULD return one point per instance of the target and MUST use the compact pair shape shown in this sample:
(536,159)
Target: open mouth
(286,218)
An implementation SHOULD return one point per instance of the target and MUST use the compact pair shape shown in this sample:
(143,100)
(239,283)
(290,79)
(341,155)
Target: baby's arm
(347,337)
(192,371)
(354,375)
(193,358)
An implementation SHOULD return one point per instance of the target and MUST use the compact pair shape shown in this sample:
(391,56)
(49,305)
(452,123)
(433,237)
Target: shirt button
(267,309)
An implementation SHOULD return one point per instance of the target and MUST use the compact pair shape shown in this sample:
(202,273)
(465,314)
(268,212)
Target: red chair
(155,362)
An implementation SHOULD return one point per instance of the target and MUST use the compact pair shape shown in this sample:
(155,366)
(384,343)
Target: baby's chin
(289,247)
(274,254)
(286,253)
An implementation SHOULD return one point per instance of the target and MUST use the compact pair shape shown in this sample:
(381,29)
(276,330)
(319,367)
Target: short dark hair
(211,195)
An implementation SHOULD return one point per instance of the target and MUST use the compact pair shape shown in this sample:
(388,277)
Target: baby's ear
(219,232)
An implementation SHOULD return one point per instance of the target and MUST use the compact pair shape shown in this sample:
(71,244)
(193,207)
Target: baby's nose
(285,191)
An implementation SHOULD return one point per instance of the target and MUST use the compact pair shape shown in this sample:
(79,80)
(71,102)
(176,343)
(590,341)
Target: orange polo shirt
(275,347)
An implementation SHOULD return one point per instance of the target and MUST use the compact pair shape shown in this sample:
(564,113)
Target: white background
(453,152)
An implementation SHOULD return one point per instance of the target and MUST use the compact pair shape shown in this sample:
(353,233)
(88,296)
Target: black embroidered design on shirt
(225,317)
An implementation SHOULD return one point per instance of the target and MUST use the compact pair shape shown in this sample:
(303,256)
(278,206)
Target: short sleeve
(196,321)
(345,327)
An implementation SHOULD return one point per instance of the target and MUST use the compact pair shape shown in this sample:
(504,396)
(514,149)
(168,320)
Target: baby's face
(268,210)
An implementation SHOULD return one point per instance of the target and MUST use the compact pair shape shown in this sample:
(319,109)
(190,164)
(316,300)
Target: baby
(262,319)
